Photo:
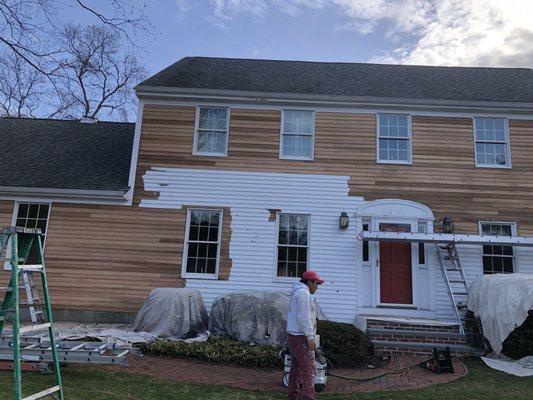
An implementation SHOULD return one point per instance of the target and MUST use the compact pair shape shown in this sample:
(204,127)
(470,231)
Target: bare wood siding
(6,213)
(108,258)
(443,175)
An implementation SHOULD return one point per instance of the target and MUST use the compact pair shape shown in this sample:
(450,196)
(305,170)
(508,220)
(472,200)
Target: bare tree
(98,74)
(21,87)
(79,82)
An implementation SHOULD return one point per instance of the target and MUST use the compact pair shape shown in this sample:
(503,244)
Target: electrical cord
(364,379)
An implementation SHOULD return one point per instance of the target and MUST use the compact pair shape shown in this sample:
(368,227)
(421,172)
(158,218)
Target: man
(301,336)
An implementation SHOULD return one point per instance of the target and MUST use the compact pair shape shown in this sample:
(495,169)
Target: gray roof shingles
(42,153)
(349,79)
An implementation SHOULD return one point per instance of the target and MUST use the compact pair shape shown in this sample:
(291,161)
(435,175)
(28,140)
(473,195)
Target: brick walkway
(411,377)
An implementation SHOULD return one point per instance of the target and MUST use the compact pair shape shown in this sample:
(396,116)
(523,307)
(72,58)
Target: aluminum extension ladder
(455,280)
(23,241)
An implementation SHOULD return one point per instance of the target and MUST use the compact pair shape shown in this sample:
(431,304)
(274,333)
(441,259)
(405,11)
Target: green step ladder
(23,241)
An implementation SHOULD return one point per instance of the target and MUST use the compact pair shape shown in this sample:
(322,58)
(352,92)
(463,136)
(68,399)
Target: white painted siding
(333,251)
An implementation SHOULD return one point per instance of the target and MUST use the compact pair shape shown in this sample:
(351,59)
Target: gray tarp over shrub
(172,313)
(258,317)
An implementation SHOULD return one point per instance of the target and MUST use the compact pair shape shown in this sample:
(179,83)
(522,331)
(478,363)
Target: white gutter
(194,94)
(66,195)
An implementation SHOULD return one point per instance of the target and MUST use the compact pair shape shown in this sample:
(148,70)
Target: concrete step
(411,325)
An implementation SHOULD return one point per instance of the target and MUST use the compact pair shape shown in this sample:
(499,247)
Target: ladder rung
(44,393)
(31,268)
(33,328)
(456,281)
(460,293)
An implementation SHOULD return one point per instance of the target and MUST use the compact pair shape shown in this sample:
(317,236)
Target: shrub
(520,342)
(344,345)
(219,351)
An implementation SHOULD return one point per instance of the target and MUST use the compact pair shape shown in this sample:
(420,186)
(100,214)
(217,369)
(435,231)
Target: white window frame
(312,134)
(196,129)
(184,273)
(508,163)
(276,236)
(409,139)
(9,252)
(513,232)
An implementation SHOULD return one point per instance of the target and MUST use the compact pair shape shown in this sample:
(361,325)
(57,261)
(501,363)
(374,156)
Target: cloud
(436,32)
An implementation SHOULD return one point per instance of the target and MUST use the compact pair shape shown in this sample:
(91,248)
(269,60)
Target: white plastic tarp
(502,302)
(522,367)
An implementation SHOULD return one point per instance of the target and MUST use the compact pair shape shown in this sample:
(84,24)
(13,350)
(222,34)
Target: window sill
(494,166)
(394,162)
(209,154)
(296,158)
(200,276)
(281,279)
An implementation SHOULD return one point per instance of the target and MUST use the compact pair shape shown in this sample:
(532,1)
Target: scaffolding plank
(447,238)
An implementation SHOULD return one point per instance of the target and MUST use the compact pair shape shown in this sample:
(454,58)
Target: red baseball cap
(312,276)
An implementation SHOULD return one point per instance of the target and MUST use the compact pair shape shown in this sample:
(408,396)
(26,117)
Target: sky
(427,32)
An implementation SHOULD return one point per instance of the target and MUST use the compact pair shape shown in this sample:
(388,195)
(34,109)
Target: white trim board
(413,110)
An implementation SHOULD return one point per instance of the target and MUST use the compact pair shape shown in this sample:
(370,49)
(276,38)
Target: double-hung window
(211,136)
(30,215)
(297,134)
(492,142)
(202,243)
(394,138)
(497,258)
(293,245)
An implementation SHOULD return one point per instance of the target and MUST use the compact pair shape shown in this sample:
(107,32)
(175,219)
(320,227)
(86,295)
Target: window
(297,134)
(293,246)
(202,246)
(32,215)
(211,137)
(497,258)
(366,244)
(492,142)
(394,138)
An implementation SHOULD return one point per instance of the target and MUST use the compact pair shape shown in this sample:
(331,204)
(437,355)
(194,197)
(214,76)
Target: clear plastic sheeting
(502,302)
(172,313)
(252,317)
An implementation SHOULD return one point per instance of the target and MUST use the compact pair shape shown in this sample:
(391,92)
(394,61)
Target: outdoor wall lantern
(447,225)
(344,220)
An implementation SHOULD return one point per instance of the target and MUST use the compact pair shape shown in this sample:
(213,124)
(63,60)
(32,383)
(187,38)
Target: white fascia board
(193,94)
(447,238)
(64,195)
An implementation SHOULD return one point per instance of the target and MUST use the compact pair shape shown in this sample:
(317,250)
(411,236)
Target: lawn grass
(84,383)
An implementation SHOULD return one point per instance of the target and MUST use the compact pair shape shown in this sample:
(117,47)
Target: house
(241,170)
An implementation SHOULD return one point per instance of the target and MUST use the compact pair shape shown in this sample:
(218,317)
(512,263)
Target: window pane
(211,265)
(421,254)
(43,211)
(393,125)
(33,211)
(213,118)
(293,244)
(393,150)
(297,121)
(211,142)
(22,211)
(297,146)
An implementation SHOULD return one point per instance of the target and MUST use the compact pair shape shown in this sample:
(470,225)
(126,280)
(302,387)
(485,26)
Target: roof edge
(68,195)
(159,92)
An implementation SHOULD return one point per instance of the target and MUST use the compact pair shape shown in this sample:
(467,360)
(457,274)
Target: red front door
(396,284)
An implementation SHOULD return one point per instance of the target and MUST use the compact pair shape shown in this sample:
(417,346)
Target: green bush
(344,345)
(219,351)
(520,342)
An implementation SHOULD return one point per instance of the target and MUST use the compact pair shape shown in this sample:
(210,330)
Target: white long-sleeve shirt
(301,319)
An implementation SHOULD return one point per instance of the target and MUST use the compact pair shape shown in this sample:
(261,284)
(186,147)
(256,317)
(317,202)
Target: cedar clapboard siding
(6,213)
(108,258)
(443,175)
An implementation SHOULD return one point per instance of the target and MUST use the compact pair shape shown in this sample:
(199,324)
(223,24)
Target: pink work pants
(302,369)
